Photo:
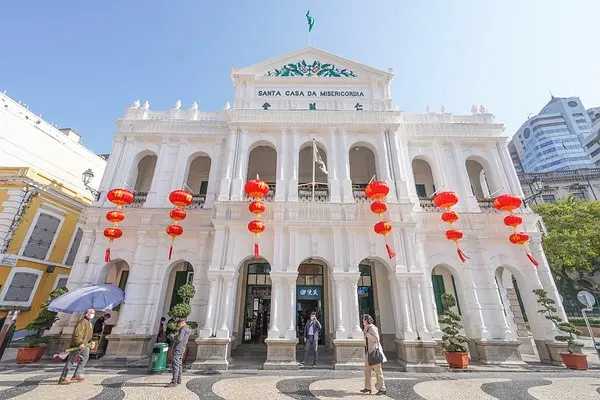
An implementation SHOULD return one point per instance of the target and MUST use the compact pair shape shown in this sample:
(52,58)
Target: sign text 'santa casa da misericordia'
(309,93)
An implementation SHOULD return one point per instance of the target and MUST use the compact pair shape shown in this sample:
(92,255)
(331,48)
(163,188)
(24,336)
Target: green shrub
(452,340)
(181,310)
(548,309)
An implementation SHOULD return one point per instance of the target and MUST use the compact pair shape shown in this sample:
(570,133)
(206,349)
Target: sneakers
(381,392)
(171,385)
(78,379)
(365,390)
(65,381)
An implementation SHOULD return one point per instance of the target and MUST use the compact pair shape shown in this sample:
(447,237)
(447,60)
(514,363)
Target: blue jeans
(84,356)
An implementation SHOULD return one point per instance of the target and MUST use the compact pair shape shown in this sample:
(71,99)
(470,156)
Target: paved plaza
(40,384)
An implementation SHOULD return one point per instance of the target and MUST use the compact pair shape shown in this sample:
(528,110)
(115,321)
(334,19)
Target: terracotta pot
(26,355)
(574,360)
(457,359)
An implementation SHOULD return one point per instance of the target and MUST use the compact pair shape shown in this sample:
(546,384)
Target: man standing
(312,329)
(81,341)
(179,345)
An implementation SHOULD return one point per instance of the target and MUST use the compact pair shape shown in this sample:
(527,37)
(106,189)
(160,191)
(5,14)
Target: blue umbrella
(98,297)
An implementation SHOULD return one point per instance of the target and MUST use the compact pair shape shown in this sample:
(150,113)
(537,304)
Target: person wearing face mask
(81,342)
(312,329)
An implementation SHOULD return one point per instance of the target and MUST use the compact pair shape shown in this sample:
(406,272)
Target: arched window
(478,179)
(197,179)
(262,161)
(362,169)
(145,174)
(424,183)
(312,163)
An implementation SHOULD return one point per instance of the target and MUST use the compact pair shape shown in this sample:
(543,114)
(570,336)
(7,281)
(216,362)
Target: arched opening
(182,272)
(375,297)
(262,161)
(478,180)
(116,273)
(310,296)
(362,169)
(443,282)
(514,308)
(255,315)
(424,183)
(197,179)
(312,173)
(144,176)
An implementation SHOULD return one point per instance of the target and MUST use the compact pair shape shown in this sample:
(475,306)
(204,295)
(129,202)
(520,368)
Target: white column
(544,273)
(403,168)
(291,302)
(344,176)
(426,290)
(384,165)
(332,164)
(353,317)
(276,315)
(181,164)
(403,310)
(241,157)
(282,165)
(509,170)
(294,156)
(440,174)
(228,157)
(418,307)
(463,183)
(338,288)
(228,304)
(213,295)
(163,175)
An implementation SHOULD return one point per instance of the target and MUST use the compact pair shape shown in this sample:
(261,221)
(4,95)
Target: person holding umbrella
(81,344)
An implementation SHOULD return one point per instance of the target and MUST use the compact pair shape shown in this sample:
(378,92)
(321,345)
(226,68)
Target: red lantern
(173,230)
(256,227)
(257,207)
(111,234)
(115,216)
(177,214)
(378,207)
(180,198)
(120,197)
(507,202)
(521,238)
(455,236)
(384,228)
(513,220)
(256,189)
(449,217)
(377,190)
(445,199)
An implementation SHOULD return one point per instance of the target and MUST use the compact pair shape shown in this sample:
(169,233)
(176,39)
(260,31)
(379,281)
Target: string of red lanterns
(180,199)
(445,201)
(509,203)
(120,198)
(256,190)
(376,191)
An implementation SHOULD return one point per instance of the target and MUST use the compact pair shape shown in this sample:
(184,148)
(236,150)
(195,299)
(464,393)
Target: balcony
(198,200)
(358,191)
(426,204)
(321,192)
(486,205)
(139,198)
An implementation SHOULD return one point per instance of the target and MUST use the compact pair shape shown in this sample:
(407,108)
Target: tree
(43,321)
(452,340)
(181,310)
(573,238)
(548,310)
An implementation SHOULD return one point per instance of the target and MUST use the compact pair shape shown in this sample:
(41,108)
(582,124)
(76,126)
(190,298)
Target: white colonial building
(318,254)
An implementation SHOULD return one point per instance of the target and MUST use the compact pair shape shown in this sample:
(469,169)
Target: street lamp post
(87,177)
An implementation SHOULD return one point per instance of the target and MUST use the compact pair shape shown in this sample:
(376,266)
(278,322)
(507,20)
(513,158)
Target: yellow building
(41,240)
(42,195)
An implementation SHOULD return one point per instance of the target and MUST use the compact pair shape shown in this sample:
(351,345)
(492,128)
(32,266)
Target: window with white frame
(74,247)
(42,236)
(61,281)
(21,288)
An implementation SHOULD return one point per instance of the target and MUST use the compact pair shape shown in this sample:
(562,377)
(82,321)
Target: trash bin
(159,357)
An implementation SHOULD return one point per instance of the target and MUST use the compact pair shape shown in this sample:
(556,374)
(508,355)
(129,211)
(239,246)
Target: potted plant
(180,311)
(574,359)
(453,342)
(34,345)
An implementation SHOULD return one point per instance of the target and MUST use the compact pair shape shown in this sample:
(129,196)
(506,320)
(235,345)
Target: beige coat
(83,333)
(372,338)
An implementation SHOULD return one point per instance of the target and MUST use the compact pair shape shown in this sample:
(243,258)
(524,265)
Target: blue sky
(81,63)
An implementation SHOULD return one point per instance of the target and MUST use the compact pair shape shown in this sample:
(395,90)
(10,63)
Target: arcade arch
(197,178)
(313,158)
(262,161)
(362,168)
(423,176)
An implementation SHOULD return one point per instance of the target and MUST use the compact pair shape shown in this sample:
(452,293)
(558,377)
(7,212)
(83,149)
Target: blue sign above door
(308,292)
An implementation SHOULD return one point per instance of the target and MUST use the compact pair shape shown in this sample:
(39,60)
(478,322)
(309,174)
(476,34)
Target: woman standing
(373,345)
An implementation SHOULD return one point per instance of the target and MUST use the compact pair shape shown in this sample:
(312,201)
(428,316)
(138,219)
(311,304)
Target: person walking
(179,345)
(162,336)
(374,357)
(81,341)
(312,329)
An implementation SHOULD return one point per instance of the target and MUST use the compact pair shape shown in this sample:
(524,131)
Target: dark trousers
(79,357)
(311,348)
(177,365)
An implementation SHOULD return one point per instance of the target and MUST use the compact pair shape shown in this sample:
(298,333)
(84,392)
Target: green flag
(310,20)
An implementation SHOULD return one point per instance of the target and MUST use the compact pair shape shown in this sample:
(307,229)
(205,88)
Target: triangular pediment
(311,63)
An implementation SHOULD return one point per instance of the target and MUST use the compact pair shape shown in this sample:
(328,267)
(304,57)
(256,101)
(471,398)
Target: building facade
(318,252)
(41,198)
(548,187)
(592,141)
(553,140)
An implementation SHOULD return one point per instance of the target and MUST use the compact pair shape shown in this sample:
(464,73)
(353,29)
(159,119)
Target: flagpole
(313,169)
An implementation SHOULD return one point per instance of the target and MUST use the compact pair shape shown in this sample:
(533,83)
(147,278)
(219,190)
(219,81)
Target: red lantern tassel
(170,251)
(533,260)
(390,251)
(256,250)
(107,255)
(461,254)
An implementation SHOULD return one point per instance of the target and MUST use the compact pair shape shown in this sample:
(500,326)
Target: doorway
(309,299)
(366,302)
(257,308)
